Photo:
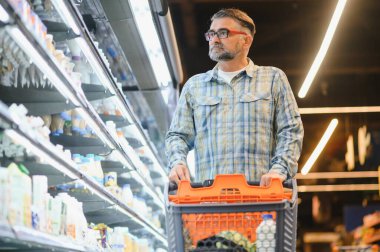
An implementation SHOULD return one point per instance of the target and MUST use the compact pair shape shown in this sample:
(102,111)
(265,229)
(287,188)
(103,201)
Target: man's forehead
(224,22)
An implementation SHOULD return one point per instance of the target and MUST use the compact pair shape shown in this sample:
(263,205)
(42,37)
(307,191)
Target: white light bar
(21,140)
(41,63)
(98,70)
(321,145)
(339,110)
(4,16)
(142,15)
(338,188)
(338,175)
(62,10)
(94,126)
(323,49)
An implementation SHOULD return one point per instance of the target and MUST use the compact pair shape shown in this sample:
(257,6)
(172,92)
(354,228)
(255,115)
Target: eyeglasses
(222,33)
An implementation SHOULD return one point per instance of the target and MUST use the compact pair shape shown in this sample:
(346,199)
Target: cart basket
(223,214)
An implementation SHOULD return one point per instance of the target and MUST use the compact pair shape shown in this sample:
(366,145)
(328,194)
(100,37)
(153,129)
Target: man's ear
(248,41)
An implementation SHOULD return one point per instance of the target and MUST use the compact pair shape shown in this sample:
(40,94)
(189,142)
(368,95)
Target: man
(238,117)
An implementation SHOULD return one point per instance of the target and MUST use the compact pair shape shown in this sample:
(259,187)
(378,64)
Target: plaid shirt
(249,126)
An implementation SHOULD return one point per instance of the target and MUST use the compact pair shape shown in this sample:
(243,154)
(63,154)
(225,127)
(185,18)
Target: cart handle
(207,183)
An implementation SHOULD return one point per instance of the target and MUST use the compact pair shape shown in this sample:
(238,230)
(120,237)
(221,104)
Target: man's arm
(180,138)
(288,132)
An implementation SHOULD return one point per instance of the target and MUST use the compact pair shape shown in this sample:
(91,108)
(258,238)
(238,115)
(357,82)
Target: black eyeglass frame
(222,33)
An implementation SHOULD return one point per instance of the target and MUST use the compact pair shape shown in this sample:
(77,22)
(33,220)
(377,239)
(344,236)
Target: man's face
(225,49)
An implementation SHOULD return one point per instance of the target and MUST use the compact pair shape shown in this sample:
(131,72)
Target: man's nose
(214,39)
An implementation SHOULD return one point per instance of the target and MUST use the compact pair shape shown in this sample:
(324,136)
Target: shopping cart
(204,217)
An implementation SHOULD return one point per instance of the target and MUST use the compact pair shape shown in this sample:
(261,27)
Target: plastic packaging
(266,234)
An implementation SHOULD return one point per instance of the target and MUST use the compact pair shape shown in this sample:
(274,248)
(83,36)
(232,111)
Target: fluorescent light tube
(65,14)
(142,15)
(338,188)
(323,49)
(4,16)
(41,63)
(336,110)
(321,145)
(23,141)
(338,175)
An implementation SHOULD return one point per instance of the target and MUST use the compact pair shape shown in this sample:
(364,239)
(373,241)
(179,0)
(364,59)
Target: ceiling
(289,34)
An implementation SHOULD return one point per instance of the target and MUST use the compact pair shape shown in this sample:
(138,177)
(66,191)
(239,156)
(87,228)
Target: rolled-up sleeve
(288,130)
(180,136)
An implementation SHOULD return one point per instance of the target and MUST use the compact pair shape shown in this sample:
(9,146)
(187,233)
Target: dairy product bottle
(266,234)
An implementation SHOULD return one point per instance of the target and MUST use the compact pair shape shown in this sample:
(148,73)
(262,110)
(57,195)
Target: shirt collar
(213,74)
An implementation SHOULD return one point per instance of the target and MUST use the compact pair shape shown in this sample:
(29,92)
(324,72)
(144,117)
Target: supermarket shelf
(72,92)
(118,120)
(95,92)
(64,84)
(59,31)
(134,142)
(127,178)
(38,101)
(113,166)
(125,106)
(18,237)
(55,177)
(68,168)
(81,145)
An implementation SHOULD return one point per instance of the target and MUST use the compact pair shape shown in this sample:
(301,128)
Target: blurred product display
(70,180)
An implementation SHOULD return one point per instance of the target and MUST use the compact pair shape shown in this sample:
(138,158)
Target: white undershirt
(228,76)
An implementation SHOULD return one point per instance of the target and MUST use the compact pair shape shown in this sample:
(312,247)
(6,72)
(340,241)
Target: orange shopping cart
(223,215)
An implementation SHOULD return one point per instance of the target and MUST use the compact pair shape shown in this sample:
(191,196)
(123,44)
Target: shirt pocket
(259,106)
(205,108)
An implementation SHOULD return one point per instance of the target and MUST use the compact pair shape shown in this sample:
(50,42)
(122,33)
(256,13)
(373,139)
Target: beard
(217,53)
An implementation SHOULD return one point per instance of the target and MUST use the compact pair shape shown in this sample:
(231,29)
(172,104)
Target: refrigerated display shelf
(55,177)
(126,179)
(74,12)
(23,238)
(118,120)
(98,192)
(95,92)
(38,101)
(81,145)
(134,142)
(60,31)
(113,166)
(22,35)
(77,97)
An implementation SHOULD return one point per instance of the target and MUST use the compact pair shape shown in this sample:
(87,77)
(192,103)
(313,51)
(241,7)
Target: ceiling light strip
(321,145)
(323,49)
(338,188)
(338,175)
(339,110)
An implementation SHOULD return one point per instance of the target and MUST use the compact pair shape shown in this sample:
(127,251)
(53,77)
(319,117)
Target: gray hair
(240,16)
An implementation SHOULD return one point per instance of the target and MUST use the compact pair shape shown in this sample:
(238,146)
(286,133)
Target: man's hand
(266,178)
(179,172)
